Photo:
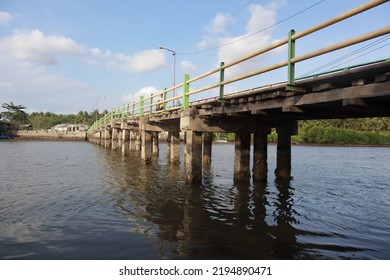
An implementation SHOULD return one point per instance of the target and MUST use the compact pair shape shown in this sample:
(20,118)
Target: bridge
(351,92)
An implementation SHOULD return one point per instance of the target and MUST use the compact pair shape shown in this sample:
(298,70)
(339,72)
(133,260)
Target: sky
(66,56)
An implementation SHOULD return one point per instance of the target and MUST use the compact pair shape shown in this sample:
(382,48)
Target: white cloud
(219,23)
(260,18)
(257,34)
(143,62)
(5,85)
(187,66)
(35,47)
(217,26)
(5,18)
(145,91)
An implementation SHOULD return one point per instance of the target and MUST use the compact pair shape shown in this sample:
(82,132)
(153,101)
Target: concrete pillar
(138,141)
(242,157)
(169,139)
(107,138)
(132,140)
(155,150)
(207,147)
(119,137)
(125,141)
(260,154)
(146,146)
(283,153)
(193,156)
(175,147)
(100,138)
(114,139)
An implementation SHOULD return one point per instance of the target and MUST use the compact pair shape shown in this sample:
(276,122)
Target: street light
(174,68)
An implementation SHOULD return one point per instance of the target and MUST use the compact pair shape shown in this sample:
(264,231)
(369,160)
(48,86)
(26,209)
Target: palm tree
(14,114)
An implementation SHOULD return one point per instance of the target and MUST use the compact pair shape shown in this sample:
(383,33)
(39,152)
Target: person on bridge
(160,105)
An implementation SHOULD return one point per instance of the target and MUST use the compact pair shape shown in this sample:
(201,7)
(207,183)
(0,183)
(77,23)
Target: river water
(76,200)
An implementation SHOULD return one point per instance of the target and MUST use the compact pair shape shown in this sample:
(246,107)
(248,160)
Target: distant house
(7,130)
(65,128)
(25,127)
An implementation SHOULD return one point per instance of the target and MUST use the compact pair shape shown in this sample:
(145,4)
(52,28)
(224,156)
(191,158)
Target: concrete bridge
(358,91)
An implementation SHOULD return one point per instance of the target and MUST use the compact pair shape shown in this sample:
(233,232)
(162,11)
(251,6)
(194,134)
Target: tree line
(17,115)
(364,131)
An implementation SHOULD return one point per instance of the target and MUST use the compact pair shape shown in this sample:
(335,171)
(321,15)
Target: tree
(14,114)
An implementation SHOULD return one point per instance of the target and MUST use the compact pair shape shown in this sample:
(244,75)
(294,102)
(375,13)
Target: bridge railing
(167,100)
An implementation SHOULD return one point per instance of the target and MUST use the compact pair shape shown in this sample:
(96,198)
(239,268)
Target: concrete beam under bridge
(191,120)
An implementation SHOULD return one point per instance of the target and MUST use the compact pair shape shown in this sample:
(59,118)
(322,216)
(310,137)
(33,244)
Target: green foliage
(366,131)
(45,120)
(41,120)
(318,134)
(14,114)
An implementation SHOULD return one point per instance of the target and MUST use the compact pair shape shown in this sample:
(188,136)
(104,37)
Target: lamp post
(174,69)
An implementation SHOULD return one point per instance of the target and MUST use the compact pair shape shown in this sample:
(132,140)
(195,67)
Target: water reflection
(217,219)
(206,221)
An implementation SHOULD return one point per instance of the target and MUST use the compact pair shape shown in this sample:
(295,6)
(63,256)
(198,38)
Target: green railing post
(141,106)
(165,98)
(186,89)
(291,55)
(123,111)
(132,114)
(151,102)
(221,79)
(290,65)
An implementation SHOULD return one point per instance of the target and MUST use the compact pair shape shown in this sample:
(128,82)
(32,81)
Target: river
(76,200)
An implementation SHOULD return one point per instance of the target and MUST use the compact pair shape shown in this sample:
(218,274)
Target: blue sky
(63,56)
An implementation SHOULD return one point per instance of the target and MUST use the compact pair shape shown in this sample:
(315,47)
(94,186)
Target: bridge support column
(137,141)
(175,147)
(283,153)
(169,137)
(242,157)
(119,137)
(107,138)
(155,150)
(146,146)
(193,156)
(132,140)
(114,139)
(207,147)
(260,154)
(100,138)
(125,141)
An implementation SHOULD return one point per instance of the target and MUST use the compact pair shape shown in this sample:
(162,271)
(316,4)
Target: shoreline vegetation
(355,132)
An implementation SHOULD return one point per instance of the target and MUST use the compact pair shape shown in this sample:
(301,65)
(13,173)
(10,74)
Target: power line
(331,64)
(240,9)
(254,33)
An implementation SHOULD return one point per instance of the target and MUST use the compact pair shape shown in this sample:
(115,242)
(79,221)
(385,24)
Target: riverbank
(45,135)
